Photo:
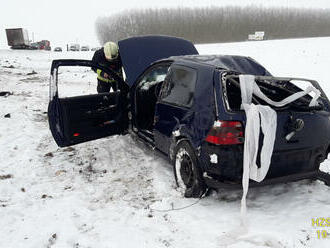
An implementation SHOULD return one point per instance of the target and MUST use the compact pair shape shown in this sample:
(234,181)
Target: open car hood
(138,53)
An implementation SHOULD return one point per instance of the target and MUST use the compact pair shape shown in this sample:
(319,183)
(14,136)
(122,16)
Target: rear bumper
(222,162)
(314,175)
(225,163)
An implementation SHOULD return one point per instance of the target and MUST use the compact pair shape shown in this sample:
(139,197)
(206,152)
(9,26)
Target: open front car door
(74,120)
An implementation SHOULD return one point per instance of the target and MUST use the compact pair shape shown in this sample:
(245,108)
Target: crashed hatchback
(188,107)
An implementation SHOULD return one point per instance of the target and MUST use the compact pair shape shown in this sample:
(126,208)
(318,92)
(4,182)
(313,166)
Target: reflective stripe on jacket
(100,77)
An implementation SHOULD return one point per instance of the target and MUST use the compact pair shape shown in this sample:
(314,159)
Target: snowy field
(115,192)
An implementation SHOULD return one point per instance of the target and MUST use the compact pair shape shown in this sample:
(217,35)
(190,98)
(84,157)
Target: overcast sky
(68,21)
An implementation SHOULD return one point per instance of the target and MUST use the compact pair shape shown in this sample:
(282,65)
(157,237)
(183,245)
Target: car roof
(240,64)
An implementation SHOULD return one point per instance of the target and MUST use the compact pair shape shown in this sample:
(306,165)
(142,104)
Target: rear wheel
(187,174)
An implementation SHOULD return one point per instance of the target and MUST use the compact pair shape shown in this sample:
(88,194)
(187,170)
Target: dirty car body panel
(176,94)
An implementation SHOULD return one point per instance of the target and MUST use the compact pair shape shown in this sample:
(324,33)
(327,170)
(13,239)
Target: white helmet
(110,50)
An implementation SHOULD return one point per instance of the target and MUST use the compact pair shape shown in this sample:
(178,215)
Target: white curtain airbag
(264,116)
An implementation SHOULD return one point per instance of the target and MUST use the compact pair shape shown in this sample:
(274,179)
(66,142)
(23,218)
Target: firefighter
(108,56)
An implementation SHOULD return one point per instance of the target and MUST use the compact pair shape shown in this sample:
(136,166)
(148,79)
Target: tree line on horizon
(215,24)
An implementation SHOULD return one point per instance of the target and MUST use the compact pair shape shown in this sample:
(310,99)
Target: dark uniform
(104,84)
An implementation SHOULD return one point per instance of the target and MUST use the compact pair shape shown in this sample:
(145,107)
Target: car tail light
(226,133)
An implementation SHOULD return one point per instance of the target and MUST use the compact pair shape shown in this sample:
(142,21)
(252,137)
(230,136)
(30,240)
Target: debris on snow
(33,72)
(69,149)
(30,79)
(5,93)
(49,154)
(8,67)
(60,172)
(52,240)
(7,115)
(8,176)
(44,196)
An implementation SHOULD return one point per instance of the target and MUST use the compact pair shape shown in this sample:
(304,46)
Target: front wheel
(188,175)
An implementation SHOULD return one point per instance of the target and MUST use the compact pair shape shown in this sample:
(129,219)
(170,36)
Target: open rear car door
(74,120)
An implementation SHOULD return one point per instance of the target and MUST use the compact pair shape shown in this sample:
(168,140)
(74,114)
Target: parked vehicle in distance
(44,45)
(34,46)
(18,38)
(84,48)
(74,47)
(187,106)
(58,49)
(258,35)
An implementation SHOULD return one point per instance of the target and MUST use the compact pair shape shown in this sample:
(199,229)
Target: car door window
(76,81)
(146,96)
(179,86)
(153,77)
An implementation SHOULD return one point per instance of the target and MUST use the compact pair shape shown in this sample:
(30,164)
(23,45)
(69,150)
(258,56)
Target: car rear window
(274,89)
(179,86)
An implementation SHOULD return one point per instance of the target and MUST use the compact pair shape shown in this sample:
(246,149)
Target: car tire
(188,175)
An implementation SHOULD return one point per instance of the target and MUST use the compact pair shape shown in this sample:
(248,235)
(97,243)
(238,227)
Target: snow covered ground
(115,192)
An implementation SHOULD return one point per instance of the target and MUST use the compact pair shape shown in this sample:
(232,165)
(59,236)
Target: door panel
(78,119)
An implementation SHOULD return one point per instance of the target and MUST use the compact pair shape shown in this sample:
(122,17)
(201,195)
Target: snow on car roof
(241,64)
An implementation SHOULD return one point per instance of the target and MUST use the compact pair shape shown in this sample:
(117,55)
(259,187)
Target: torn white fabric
(257,115)
(264,116)
(249,87)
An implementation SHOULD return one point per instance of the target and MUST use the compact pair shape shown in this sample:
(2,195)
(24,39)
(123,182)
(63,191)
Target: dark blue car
(187,106)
